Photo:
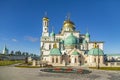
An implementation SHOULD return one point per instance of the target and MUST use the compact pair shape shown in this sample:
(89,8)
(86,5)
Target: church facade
(69,47)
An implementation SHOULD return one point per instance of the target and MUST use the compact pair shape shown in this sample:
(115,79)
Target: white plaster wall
(76,34)
(46,52)
(46,46)
(90,45)
(100,45)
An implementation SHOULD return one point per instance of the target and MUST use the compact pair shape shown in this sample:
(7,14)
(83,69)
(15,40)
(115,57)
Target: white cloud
(31,39)
(14,40)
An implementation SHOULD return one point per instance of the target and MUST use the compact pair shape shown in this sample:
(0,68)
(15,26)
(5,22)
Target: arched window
(69,60)
(52,60)
(94,59)
(69,56)
(75,60)
(98,60)
(56,60)
(49,46)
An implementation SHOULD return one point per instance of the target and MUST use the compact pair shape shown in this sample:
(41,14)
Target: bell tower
(45,25)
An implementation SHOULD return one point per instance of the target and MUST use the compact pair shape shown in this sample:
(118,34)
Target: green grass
(5,63)
(107,68)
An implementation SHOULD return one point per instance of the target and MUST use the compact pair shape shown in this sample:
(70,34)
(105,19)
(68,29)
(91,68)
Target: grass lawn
(5,63)
(107,68)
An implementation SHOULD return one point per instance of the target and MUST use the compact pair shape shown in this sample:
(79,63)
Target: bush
(5,63)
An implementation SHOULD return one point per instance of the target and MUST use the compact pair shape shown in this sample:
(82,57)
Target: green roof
(87,35)
(84,41)
(52,34)
(75,53)
(70,40)
(55,51)
(95,52)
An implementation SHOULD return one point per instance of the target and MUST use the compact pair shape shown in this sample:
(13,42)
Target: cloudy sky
(21,21)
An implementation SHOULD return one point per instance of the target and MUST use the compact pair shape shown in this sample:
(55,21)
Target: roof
(46,18)
(68,24)
(96,42)
(52,34)
(87,35)
(95,52)
(55,51)
(75,53)
(70,40)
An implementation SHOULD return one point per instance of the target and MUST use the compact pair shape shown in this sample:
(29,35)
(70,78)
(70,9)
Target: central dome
(69,24)
(70,40)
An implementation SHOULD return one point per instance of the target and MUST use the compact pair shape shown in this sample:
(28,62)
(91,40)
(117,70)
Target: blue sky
(21,21)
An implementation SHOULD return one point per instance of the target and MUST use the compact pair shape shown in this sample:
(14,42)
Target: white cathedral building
(69,47)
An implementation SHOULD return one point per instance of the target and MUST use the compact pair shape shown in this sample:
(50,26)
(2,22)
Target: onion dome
(87,35)
(70,40)
(55,51)
(68,24)
(95,51)
(75,53)
(84,41)
(52,34)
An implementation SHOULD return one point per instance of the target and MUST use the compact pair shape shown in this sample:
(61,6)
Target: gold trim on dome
(54,45)
(95,45)
(68,24)
(45,18)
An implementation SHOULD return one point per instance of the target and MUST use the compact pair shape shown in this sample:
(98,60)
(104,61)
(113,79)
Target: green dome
(87,35)
(75,53)
(52,34)
(95,52)
(55,51)
(84,41)
(70,40)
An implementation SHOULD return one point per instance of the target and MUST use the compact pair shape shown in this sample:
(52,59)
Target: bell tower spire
(87,35)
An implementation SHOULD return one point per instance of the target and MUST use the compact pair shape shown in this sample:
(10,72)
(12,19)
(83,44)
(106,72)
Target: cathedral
(69,47)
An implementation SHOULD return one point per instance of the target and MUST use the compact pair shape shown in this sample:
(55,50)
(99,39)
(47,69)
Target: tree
(35,55)
(23,54)
(27,54)
(12,53)
(31,54)
(19,52)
